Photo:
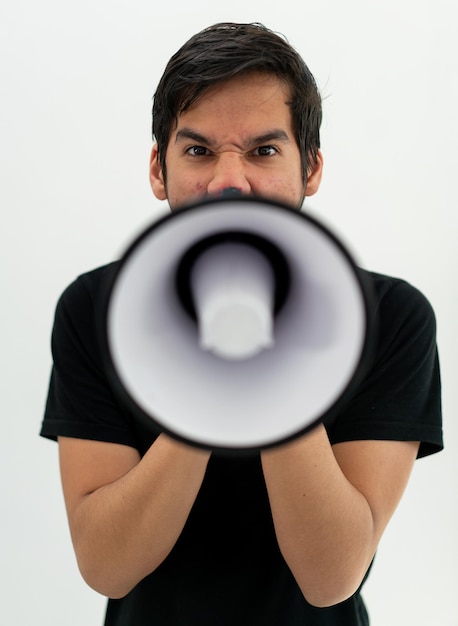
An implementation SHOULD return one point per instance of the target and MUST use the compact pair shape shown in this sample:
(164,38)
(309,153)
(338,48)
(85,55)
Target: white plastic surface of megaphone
(228,358)
(233,287)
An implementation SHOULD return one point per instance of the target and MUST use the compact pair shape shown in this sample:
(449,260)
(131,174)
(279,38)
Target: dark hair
(225,50)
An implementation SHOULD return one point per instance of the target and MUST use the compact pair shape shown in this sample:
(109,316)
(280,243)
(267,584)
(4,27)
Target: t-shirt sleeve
(400,396)
(80,400)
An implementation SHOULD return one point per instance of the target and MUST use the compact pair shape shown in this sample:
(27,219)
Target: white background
(76,86)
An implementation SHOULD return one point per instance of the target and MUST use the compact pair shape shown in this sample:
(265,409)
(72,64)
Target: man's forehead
(246,110)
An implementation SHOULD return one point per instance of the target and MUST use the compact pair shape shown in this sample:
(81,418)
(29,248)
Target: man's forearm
(324,525)
(124,530)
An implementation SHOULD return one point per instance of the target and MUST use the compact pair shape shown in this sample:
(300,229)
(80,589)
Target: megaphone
(236,324)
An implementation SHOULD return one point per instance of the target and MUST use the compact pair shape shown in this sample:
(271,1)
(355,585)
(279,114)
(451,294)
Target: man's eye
(265,151)
(197,151)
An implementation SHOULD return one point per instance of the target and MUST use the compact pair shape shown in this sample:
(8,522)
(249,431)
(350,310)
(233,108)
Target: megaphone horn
(236,324)
(232,284)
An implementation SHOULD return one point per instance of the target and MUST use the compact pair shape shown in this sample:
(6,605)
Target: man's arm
(330,506)
(126,513)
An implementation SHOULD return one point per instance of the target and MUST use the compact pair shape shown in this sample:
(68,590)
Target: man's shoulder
(383,283)
(403,316)
(83,299)
(99,275)
(396,294)
(91,282)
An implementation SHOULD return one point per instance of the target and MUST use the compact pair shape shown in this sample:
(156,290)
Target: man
(177,535)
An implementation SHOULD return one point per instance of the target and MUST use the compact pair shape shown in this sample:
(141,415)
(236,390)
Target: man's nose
(230,173)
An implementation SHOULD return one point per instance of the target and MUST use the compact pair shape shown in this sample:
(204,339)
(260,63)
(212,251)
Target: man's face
(238,134)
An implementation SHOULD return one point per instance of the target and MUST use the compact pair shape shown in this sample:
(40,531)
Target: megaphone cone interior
(258,347)
(233,287)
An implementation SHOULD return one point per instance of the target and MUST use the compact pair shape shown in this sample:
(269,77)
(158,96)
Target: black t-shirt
(226,568)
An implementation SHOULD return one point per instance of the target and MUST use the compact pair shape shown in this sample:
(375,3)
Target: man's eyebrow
(276,134)
(188,133)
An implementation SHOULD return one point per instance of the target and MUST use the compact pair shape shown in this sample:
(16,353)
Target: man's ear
(156,176)
(314,175)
